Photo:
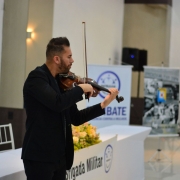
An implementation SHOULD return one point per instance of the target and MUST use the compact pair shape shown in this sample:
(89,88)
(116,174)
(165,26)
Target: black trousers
(36,170)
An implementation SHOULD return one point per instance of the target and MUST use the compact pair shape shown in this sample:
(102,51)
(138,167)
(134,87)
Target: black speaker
(135,57)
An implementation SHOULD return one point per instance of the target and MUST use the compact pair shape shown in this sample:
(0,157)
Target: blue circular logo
(108,157)
(108,79)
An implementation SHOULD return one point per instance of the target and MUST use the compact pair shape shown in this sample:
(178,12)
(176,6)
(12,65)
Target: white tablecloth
(129,154)
(130,150)
(11,165)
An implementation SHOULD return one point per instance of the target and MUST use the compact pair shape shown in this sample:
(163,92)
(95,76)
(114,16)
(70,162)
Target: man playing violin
(48,149)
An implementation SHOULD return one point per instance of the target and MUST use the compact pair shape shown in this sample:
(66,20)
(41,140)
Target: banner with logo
(161,99)
(94,162)
(112,76)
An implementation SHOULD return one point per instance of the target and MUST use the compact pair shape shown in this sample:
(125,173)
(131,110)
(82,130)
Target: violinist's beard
(64,69)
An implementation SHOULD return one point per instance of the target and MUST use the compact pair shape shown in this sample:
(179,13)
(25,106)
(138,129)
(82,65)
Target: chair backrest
(6,135)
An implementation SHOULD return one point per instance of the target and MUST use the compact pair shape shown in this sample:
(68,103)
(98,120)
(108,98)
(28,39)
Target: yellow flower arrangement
(84,136)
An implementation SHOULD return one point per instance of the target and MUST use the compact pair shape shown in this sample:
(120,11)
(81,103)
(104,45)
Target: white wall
(40,22)
(21,55)
(1,25)
(146,26)
(174,59)
(104,22)
(13,53)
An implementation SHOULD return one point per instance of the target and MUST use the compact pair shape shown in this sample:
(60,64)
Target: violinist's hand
(87,88)
(110,97)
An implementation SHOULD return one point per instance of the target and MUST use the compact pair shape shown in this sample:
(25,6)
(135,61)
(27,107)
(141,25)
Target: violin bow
(85,51)
(85,57)
(119,99)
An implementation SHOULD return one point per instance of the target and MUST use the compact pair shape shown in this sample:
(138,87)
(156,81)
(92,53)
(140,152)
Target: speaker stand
(138,85)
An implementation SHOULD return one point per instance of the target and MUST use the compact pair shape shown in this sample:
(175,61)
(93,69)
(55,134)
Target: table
(129,155)
(11,165)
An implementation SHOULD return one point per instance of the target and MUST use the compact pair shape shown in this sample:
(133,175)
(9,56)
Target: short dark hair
(56,45)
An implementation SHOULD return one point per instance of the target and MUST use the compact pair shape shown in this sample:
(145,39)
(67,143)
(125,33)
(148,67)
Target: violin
(68,81)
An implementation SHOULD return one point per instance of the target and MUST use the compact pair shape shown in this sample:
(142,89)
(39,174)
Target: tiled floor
(167,165)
